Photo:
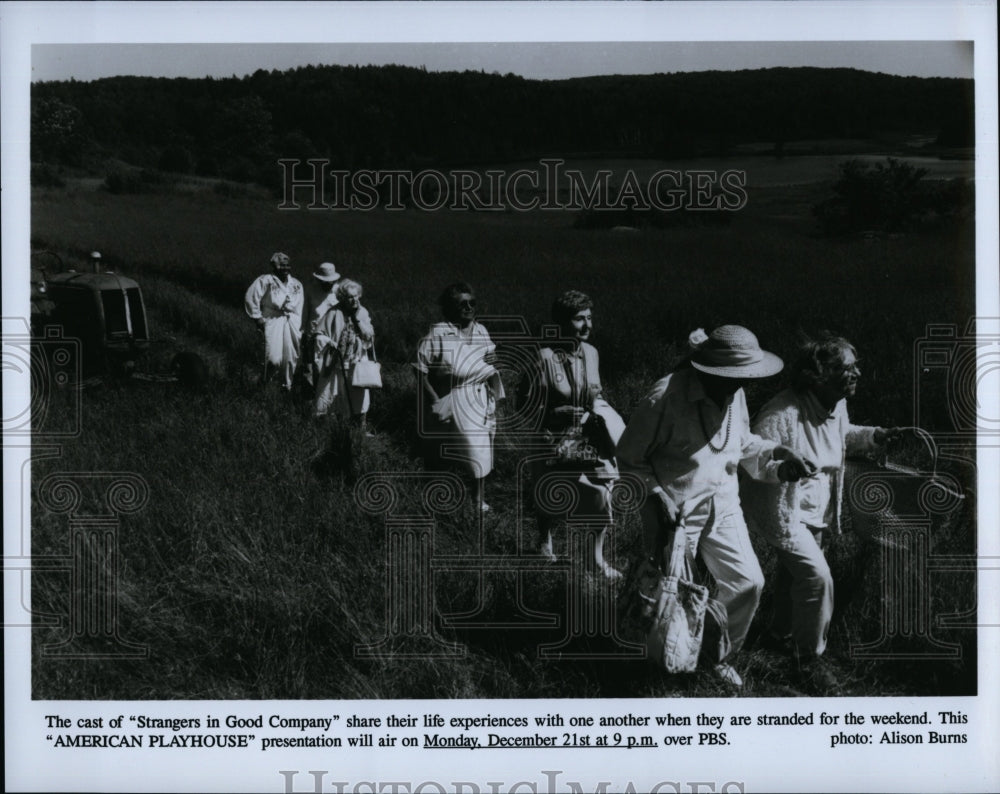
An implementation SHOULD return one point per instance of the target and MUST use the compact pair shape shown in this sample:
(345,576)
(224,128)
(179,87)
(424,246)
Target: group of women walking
(687,440)
(322,330)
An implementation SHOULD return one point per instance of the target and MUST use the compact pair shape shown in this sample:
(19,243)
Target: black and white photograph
(601,387)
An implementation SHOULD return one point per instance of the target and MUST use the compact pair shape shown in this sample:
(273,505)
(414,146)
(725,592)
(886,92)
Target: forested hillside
(401,117)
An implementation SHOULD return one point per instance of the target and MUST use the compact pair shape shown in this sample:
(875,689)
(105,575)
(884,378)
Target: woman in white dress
(459,388)
(344,336)
(274,302)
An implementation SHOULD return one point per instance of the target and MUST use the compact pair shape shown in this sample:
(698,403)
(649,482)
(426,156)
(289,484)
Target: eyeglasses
(467,304)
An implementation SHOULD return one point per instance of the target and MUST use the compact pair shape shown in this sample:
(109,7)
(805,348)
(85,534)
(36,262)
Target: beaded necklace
(708,438)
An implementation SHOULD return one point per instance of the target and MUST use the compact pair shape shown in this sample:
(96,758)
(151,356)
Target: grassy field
(252,572)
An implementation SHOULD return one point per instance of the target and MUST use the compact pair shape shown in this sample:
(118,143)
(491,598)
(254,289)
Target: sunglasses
(467,304)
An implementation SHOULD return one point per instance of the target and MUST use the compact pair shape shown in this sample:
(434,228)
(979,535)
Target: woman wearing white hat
(687,439)
(274,302)
(320,297)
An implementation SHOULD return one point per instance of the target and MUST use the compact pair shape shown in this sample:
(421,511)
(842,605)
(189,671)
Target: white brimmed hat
(732,351)
(327,272)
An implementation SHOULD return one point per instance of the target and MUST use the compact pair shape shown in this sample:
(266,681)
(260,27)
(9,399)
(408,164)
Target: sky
(538,60)
(546,40)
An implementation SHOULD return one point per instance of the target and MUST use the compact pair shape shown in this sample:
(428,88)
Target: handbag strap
(681,560)
(574,388)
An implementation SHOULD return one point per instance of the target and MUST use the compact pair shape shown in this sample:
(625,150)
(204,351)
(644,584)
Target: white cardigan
(771,506)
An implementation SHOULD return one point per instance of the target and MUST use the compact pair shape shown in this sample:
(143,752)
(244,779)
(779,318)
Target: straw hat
(327,272)
(732,351)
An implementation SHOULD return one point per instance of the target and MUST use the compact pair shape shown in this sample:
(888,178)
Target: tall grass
(252,573)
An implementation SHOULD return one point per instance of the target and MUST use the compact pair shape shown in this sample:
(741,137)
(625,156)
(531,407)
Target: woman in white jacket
(811,418)
(274,303)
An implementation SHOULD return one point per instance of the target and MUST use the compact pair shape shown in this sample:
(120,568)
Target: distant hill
(402,117)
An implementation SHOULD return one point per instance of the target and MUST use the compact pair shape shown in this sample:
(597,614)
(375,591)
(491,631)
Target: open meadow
(253,572)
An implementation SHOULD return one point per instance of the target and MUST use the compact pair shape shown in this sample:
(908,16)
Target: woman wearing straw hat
(686,439)
(810,417)
(274,302)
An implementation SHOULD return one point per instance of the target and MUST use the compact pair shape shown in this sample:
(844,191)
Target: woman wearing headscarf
(686,440)
(458,389)
(568,380)
(274,302)
(344,336)
(810,417)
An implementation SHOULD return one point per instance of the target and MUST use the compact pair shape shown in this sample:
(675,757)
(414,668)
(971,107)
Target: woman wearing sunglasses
(458,390)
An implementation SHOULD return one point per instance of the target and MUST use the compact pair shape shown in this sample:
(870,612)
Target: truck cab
(106,312)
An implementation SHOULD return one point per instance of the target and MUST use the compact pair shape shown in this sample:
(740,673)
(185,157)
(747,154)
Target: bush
(127,181)
(44,175)
(889,196)
(230,189)
(177,159)
(951,200)
(118,181)
(649,218)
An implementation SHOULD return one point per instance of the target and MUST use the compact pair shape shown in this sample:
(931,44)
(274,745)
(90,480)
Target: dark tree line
(401,117)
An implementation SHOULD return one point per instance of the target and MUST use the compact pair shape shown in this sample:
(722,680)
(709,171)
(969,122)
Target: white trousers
(724,546)
(803,592)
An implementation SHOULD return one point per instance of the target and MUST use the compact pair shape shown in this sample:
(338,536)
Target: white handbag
(367,373)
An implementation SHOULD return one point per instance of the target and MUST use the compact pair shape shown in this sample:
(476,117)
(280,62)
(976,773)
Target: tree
(242,130)
(886,196)
(55,131)
(177,159)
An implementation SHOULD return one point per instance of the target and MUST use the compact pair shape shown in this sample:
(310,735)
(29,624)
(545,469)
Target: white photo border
(34,765)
